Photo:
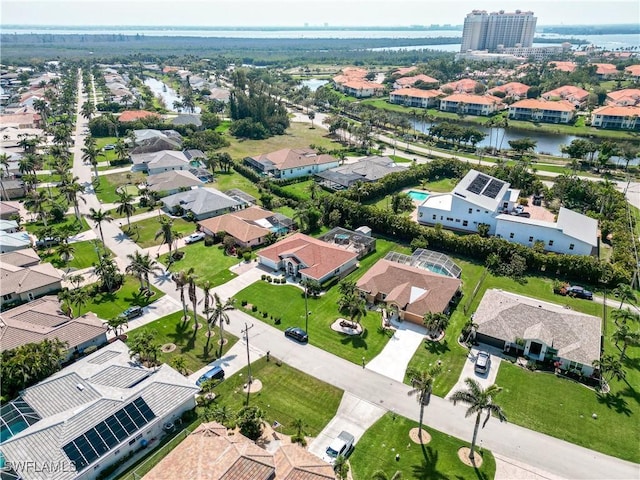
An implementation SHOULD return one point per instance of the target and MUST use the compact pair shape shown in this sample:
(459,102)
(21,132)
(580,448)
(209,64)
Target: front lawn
(287,302)
(227,181)
(389,436)
(301,189)
(144,231)
(209,263)
(33,227)
(84,255)
(109,305)
(106,189)
(190,344)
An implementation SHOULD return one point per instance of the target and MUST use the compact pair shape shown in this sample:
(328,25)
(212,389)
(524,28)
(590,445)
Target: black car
(132,312)
(579,292)
(297,333)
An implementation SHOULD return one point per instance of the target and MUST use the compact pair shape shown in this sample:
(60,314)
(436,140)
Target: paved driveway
(152,312)
(468,371)
(354,415)
(392,361)
(234,360)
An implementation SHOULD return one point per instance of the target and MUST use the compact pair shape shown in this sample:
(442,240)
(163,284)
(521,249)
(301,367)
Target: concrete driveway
(468,371)
(234,360)
(152,312)
(392,361)
(354,415)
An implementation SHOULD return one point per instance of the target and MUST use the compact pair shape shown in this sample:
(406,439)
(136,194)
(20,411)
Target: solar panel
(116,428)
(96,441)
(493,188)
(108,437)
(126,422)
(75,456)
(478,184)
(135,415)
(85,448)
(144,409)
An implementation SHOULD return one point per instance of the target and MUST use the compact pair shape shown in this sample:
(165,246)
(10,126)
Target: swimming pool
(418,195)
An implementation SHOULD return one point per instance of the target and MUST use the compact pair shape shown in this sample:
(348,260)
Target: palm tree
(166,232)
(107,270)
(191,278)
(207,297)
(610,368)
(98,216)
(422,383)
(70,189)
(125,206)
(436,321)
(121,150)
(624,293)
(87,110)
(627,337)
(181,281)
(65,250)
(479,400)
(180,364)
(141,266)
(380,475)
(79,298)
(357,309)
(220,316)
(35,203)
(117,324)
(90,153)
(624,315)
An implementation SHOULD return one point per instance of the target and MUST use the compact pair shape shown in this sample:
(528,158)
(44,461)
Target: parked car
(132,312)
(109,146)
(579,292)
(48,242)
(297,334)
(341,445)
(194,237)
(483,362)
(216,373)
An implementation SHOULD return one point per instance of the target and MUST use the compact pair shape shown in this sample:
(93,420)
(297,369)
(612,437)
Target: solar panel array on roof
(493,188)
(97,441)
(478,184)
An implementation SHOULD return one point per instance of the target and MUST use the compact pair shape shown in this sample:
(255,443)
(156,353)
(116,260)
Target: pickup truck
(342,445)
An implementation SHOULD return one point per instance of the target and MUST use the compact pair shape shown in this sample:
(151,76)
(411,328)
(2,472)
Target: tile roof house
(402,71)
(291,162)
(7,211)
(605,70)
(615,117)
(625,97)
(576,95)
(203,202)
(415,97)
(563,66)
(8,226)
(186,119)
(360,88)
(23,284)
(43,319)
(369,169)
(14,241)
(210,453)
(514,90)
(549,330)
(410,291)
(25,257)
(249,227)
(172,182)
(303,257)
(403,82)
(12,188)
(159,162)
(533,109)
(91,414)
(465,85)
(633,71)
(471,104)
(135,115)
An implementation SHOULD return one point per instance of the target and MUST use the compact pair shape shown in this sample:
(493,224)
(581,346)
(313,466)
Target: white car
(194,237)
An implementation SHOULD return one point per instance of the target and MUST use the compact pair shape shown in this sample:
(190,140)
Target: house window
(7,296)
(440,217)
(449,219)
(457,220)
(571,247)
(511,235)
(477,210)
(531,239)
(471,210)
(550,243)
(498,235)
(486,211)
(434,217)
(465,223)
(132,441)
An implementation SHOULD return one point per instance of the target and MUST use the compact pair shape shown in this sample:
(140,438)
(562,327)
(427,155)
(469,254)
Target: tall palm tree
(357,308)
(422,384)
(624,293)
(191,278)
(610,368)
(181,281)
(117,324)
(220,316)
(624,315)
(35,202)
(141,266)
(627,337)
(79,298)
(71,189)
(479,400)
(436,321)
(98,216)
(121,150)
(125,205)
(90,153)
(65,250)
(166,232)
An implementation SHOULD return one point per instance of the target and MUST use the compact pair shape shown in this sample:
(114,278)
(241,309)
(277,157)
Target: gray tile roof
(24,279)
(201,200)
(172,180)
(508,316)
(118,376)
(20,258)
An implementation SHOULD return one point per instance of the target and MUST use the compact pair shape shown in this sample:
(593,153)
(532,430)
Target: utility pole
(306,309)
(246,337)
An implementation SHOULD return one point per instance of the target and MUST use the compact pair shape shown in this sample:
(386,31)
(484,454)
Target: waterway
(314,83)
(168,95)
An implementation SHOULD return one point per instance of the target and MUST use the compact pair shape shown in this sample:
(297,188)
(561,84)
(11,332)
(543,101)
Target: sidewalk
(234,360)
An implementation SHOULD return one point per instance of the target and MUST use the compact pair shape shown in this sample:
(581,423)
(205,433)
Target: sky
(299,12)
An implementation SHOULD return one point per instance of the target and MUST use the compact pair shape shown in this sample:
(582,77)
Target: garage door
(494,342)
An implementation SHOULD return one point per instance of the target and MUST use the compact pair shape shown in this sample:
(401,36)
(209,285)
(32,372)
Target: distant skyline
(300,12)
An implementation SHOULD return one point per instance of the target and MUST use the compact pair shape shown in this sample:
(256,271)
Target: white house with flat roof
(91,414)
(482,199)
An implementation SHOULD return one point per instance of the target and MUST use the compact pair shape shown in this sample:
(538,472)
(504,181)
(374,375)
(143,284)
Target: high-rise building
(483,31)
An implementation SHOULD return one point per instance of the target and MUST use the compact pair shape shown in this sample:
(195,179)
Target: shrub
(246,256)
(243,303)
(90,349)
(265,314)
(254,308)
(209,241)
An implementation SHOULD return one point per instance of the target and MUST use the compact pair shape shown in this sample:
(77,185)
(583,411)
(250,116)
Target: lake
(314,83)
(166,93)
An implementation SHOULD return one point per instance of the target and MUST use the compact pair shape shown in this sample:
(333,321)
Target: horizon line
(444,26)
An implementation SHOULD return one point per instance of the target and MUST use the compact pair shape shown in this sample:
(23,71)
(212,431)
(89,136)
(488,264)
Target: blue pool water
(417,195)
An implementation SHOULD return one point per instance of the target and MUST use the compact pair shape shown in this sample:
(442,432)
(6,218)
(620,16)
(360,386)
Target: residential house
(606,70)
(201,202)
(12,188)
(481,199)
(359,240)
(563,66)
(135,115)
(211,453)
(369,169)
(469,104)
(249,227)
(349,73)
(465,85)
(576,95)
(186,119)
(43,319)
(416,97)
(7,211)
(220,94)
(409,291)
(14,241)
(513,90)
(21,120)
(404,82)
(8,226)
(633,71)
(532,109)
(402,71)
(302,256)
(23,284)
(291,162)
(610,116)
(361,88)
(168,183)
(624,98)
(549,331)
(92,414)
(159,162)
(26,257)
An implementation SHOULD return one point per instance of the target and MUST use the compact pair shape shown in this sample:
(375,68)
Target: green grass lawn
(209,263)
(109,305)
(287,394)
(137,210)
(83,257)
(144,231)
(227,181)
(286,211)
(106,155)
(301,189)
(190,344)
(106,190)
(33,227)
(444,185)
(389,436)
(287,302)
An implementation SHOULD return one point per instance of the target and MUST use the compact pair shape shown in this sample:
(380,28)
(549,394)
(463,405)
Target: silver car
(483,362)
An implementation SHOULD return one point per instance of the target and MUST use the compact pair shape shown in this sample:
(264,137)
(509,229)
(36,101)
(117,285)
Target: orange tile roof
(405,70)
(564,66)
(362,85)
(511,88)
(536,104)
(633,70)
(293,462)
(406,81)
(473,99)
(605,68)
(416,92)
(463,85)
(294,158)
(615,111)
(169,69)
(319,258)
(355,72)
(133,115)
(566,92)
(627,96)
(239,224)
